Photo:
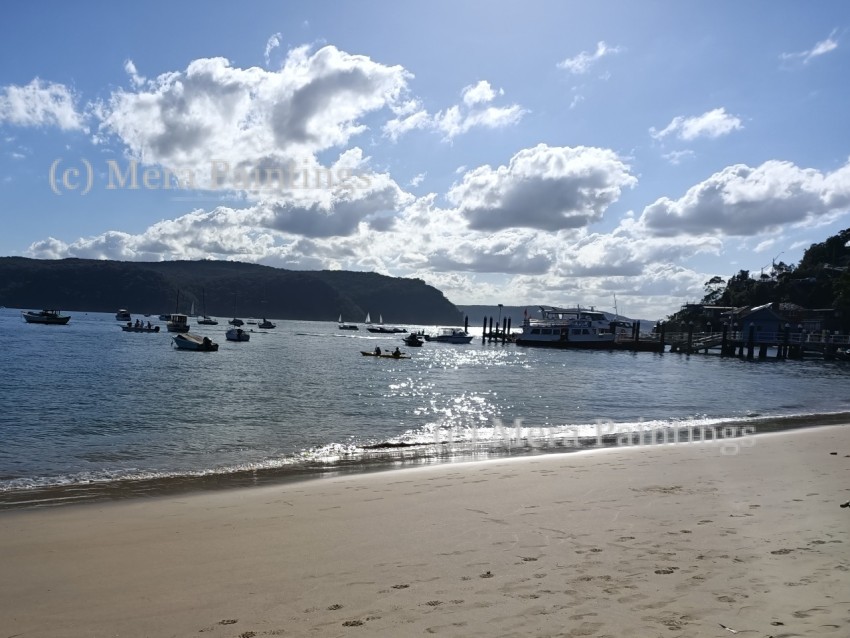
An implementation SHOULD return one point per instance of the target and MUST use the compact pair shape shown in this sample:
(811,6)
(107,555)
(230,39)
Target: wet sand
(672,540)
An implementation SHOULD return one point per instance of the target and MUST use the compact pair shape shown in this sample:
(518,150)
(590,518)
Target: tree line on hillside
(820,280)
(226,288)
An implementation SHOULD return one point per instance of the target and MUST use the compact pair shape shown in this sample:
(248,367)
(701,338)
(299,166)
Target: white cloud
(458,119)
(479,93)
(744,201)
(711,124)
(136,79)
(246,117)
(821,48)
(548,188)
(416,180)
(677,157)
(39,103)
(582,62)
(271,44)
(452,122)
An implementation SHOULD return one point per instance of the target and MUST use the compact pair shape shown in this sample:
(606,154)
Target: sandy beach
(673,540)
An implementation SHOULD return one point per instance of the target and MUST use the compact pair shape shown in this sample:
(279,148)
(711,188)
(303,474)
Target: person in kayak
(377,351)
(396,352)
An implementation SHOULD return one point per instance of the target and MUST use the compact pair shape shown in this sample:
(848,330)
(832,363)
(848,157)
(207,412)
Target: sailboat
(206,320)
(381,328)
(347,326)
(236,322)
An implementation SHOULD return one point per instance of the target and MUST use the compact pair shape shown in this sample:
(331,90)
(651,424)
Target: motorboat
(178,323)
(196,343)
(452,335)
(574,328)
(47,317)
(236,322)
(123,315)
(266,324)
(237,334)
(414,340)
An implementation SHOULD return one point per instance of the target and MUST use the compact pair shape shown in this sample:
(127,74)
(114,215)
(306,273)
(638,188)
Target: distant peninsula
(251,290)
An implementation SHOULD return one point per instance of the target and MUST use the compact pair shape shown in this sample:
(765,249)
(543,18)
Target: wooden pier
(755,344)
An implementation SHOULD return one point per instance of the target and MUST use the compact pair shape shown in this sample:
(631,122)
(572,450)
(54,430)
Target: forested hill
(260,291)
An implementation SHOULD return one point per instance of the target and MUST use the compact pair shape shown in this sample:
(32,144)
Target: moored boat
(579,328)
(266,324)
(187,341)
(178,323)
(347,326)
(206,320)
(381,328)
(123,315)
(48,317)
(452,335)
(237,334)
(413,340)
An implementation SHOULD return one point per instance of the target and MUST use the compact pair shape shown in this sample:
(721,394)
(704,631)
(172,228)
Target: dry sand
(664,541)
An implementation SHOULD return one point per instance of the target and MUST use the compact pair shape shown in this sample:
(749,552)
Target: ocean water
(88,411)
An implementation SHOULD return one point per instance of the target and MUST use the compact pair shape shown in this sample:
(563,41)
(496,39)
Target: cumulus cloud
(583,62)
(820,48)
(741,200)
(457,119)
(479,93)
(711,124)
(40,103)
(184,120)
(548,188)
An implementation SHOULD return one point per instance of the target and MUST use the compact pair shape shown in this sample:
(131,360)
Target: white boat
(178,323)
(47,317)
(452,335)
(347,326)
(123,315)
(194,342)
(237,334)
(574,328)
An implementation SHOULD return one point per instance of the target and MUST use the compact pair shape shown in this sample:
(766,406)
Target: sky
(555,153)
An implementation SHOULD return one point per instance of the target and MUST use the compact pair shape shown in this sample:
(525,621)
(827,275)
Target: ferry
(575,328)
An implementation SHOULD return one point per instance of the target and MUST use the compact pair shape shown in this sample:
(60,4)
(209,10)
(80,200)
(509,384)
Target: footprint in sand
(434,603)
(666,570)
(400,586)
(334,607)
(782,552)
(352,623)
(227,622)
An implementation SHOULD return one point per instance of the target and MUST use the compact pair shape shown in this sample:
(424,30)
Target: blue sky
(551,152)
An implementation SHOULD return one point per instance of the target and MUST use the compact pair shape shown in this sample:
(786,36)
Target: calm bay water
(87,406)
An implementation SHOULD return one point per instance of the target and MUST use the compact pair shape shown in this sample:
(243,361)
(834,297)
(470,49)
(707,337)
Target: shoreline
(383,458)
(605,544)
